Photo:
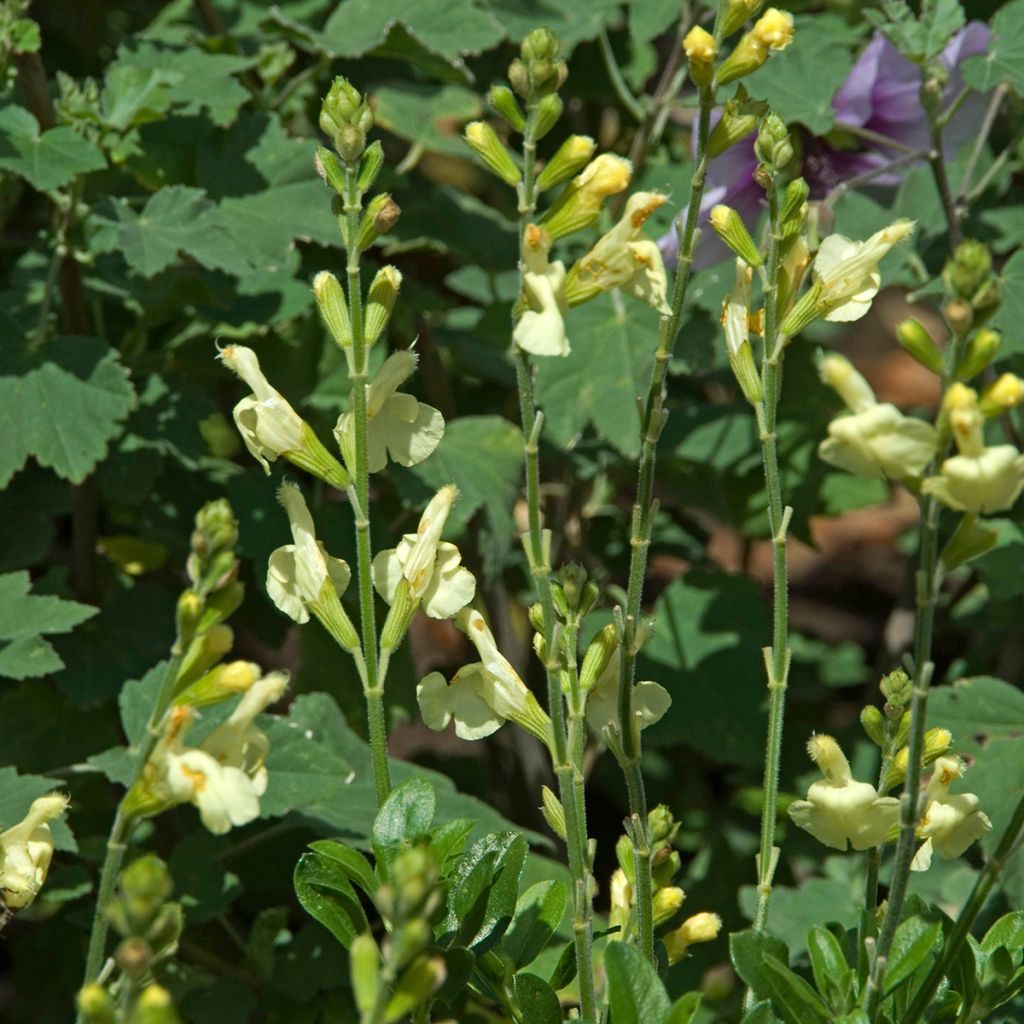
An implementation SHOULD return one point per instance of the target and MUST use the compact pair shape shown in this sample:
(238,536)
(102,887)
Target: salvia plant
(602,601)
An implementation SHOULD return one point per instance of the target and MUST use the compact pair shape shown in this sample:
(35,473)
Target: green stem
(874,859)
(976,901)
(123,825)
(373,689)
(570,788)
(654,416)
(626,97)
(941,176)
(777,656)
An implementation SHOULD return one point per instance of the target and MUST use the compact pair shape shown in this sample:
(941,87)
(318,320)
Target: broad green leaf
(135,94)
(684,1009)
(800,82)
(536,1000)
(793,998)
(613,341)
(749,950)
(352,862)
(1008,931)
(404,819)
(450,28)
(64,408)
(539,912)
(829,966)
(430,116)
(24,619)
(760,1013)
(1004,60)
(709,627)
(16,795)
(482,896)
(565,967)
(636,994)
(1010,313)
(47,159)
(916,940)
(325,892)
(919,37)
(483,457)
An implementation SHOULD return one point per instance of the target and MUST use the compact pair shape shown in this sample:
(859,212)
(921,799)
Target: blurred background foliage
(158,194)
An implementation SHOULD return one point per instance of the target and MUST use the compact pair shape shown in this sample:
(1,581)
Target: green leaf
(536,1000)
(135,94)
(483,457)
(636,994)
(16,795)
(1008,931)
(800,82)
(760,1013)
(45,160)
(352,862)
(65,409)
(1010,313)
(917,939)
(1004,60)
(793,998)
(404,819)
(24,619)
(832,974)
(539,912)
(482,896)
(748,951)
(709,627)
(919,38)
(613,343)
(325,892)
(684,1009)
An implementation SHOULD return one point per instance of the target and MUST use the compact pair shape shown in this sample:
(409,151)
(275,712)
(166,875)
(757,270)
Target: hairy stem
(777,656)
(373,687)
(654,416)
(568,773)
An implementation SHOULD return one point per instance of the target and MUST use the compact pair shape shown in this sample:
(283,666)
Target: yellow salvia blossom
(431,567)
(397,424)
(950,824)
(580,204)
(873,440)
(26,850)
(838,809)
(845,277)
(701,50)
(540,329)
(702,927)
(980,479)
(650,700)
(624,258)
(772,32)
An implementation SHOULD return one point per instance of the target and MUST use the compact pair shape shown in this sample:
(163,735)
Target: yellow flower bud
(1005,394)
(774,29)
(702,927)
(666,903)
(484,141)
(700,49)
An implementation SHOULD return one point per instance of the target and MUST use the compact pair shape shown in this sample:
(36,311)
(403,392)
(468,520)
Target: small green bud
(554,813)
(701,50)
(364,970)
(328,167)
(739,118)
(967,269)
(414,874)
(773,31)
(503,102)
(536,617)
(874,724)
(484,141)
(549,110)
(350,143)
(166,929)
(793,212)
(572,578)
(936,742)
(562,609)
(540,44)
(913,336)
(897,770)
(624,855)
(154,1006)
(978,354)
(216,528)
(570,158)
(599,654)
(737,12)
(729,226)
(420,980)
(773,146)
(340,106)
(330,300)
(134,957)
(95,1005)
(369,166)
(896,688)
(665,865)
(381,215)
(380,301)
(403,608)
(662,825)
(519,78)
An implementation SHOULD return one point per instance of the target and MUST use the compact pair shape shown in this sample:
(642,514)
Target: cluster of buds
(346,118)
(772,32)
(677,933)
(973,286)
(154,1005)
(26,849)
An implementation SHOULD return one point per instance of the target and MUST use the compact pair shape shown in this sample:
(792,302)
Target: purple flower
(881,94)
